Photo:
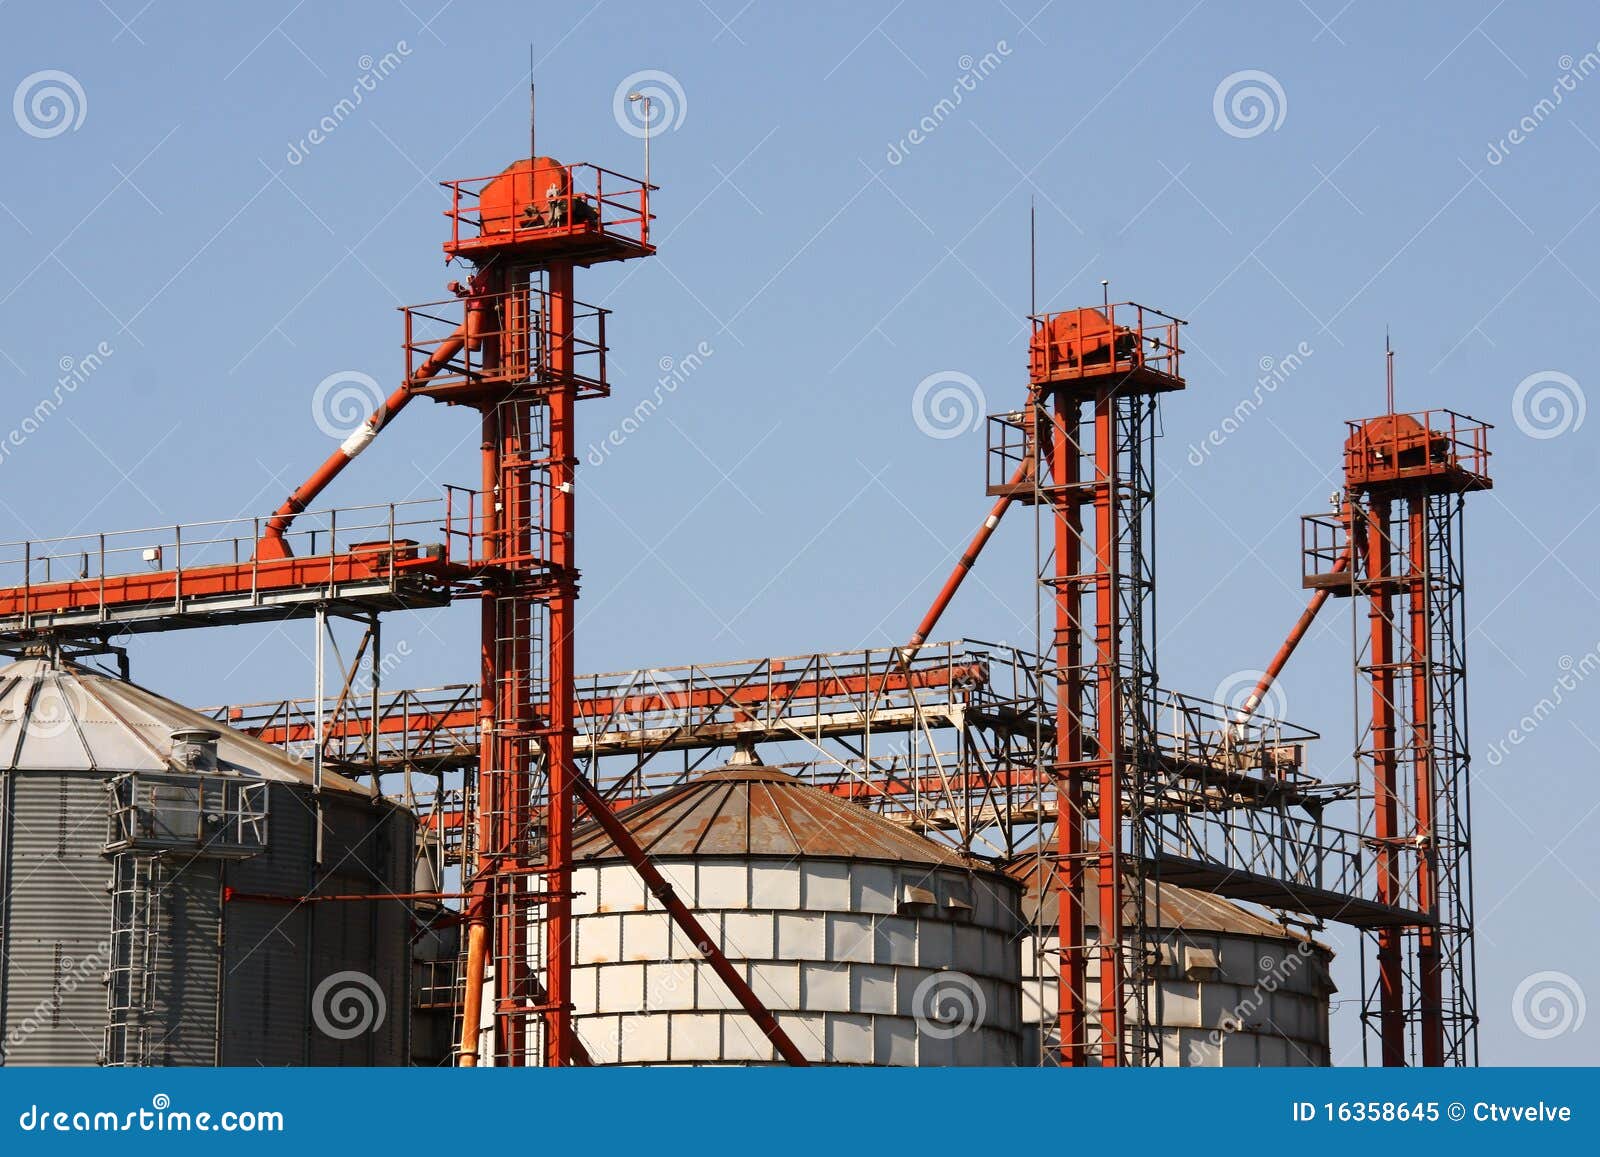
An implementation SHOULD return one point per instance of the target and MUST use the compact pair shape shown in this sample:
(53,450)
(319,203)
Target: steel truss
(1407,476)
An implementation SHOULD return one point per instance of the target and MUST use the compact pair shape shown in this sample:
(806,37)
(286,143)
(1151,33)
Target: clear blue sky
(785,499)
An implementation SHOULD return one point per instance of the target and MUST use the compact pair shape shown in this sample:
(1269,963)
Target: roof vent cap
(195,748)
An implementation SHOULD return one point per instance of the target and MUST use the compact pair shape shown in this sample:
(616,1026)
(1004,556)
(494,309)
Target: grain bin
(1231,987)
(872,945)
(152,865)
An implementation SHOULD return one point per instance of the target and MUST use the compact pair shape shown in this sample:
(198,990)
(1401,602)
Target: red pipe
(970,556)
(1296,633)
(597,807)
(272,544)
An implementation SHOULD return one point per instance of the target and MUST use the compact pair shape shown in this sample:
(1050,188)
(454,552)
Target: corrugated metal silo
(152,864)
(871,944)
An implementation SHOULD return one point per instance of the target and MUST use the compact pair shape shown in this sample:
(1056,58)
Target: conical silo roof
(59,716)
(750,810)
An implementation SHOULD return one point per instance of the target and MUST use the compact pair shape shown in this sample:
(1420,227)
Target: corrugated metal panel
(64,731)
(266,999)
(58,920)
(277,955)
(182,1021)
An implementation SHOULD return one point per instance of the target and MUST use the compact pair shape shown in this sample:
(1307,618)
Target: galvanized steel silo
(153,867)
(872,945)
(1233,988)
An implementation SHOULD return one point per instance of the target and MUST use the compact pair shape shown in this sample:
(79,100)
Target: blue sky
(786,499)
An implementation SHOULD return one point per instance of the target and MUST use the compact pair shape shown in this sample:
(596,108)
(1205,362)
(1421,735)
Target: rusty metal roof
(63,717)
(760,811)
(1182,909)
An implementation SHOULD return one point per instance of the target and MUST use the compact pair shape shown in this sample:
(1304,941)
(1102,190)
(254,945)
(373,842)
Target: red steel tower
(1395,549)
(521,351)
(1083,455)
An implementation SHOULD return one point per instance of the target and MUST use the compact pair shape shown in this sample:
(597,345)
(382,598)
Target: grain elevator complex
(942,853)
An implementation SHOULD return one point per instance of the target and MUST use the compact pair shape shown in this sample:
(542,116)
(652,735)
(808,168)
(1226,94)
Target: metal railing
(1417,444)
(593,201)
(510,341)
(1095,340)
(184,561)
(201,815)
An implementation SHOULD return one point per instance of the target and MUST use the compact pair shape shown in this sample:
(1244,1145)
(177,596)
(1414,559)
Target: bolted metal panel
(266,995)
(1231,988)
(936,985)
(165,925)
(58,919)
(181,1022)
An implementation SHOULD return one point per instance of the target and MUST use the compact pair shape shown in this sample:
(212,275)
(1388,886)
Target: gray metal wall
(57,923)
(234,980)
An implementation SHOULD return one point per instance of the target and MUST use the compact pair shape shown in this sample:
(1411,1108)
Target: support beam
(686,921)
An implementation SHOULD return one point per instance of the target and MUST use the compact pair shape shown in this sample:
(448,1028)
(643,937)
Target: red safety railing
(509,339)
(1095,340)
(596,204)
(181,564)
(1422,444)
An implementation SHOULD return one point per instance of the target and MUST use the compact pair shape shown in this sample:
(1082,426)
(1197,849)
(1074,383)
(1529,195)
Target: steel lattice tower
(1396,550)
